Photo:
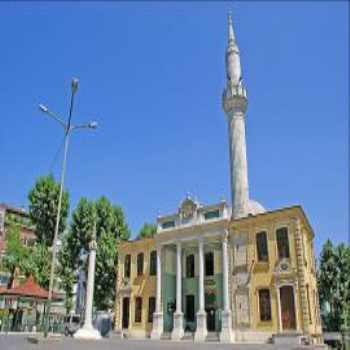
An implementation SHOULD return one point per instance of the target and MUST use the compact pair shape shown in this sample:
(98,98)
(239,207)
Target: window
(213,214)
(151,308)
(139,264)
(168,224)
(153,263)
(190,266)
(264,305)
(261,246)
(209,264)
(127,266)
(282,242)
(138,310)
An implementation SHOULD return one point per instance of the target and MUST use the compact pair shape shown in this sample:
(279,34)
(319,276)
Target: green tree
(43,203)
(105,274)
(38,264)
(67,274)
(16,253)
(110,228)
(334,285)
(147,231)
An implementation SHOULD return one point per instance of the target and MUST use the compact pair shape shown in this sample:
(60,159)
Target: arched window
(139,264)
(153,263)
(190,266)
(282,242)
(209,264)
(138,310)
(264,305)
(127,266)
(261,246)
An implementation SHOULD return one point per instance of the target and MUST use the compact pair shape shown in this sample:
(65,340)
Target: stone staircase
(188,336)
(165,336)
(212,337)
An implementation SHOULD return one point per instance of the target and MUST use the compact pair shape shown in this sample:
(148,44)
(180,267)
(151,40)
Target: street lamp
(68,128)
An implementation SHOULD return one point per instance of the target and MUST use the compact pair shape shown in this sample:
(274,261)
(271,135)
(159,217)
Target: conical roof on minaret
(233,64)
(231,34)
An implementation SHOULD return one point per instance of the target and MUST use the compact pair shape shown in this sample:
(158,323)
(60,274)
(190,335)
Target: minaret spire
(231,33)
(235,105)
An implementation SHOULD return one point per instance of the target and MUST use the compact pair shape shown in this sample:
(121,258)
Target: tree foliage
(38,264)
(334,285)
(105,274)
(16,253)
(43,205)
(110,228)
(34,260)
(147,231)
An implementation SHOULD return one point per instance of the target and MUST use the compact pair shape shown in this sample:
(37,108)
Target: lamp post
(68,128)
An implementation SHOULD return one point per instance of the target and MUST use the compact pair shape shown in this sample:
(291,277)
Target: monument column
(157,329)
(226,334)
(88,331)
(201,331)
(178,330)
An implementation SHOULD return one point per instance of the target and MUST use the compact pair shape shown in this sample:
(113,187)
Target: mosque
(215,272)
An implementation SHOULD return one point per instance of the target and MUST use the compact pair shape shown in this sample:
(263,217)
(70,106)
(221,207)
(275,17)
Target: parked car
(71,324)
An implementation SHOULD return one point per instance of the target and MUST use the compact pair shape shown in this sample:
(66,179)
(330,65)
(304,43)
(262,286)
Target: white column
(88,331)
(201,331)
(201,275)
(157,328)
(159,280)
(178,330)
(226,334)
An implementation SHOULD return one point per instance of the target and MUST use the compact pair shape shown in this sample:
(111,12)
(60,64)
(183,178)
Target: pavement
(20,342)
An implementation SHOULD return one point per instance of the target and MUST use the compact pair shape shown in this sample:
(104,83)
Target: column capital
(225,236)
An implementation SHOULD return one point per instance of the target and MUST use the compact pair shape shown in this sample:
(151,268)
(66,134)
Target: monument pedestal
(89,333)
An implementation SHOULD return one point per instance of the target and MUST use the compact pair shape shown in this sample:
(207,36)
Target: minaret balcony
(235,98)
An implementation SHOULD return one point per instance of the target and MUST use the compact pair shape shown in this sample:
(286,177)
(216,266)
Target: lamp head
(93,125)
(75,82)
(43,108)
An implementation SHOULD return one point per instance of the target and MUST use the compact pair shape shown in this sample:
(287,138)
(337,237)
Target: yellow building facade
(235,273)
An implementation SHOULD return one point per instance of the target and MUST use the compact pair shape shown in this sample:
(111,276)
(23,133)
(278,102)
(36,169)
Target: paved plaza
(20,342)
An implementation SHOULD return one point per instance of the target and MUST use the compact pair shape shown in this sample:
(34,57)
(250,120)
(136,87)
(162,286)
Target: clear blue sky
(152,74)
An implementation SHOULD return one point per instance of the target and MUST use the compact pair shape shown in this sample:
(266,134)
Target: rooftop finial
(231,35)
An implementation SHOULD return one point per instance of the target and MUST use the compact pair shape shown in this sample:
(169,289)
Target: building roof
(29,289)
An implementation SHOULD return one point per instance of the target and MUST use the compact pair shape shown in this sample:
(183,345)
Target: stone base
(288,339)
(157,329)
(201,331)
(88,333)
(226,334)
(178,330)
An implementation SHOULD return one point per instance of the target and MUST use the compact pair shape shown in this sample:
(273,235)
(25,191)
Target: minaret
(235,105)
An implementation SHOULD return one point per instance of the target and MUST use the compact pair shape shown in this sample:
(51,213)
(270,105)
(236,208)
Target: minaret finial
(231,34)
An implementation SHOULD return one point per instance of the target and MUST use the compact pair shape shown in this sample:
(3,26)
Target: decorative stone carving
(240,250)
(242,308)
(188,209)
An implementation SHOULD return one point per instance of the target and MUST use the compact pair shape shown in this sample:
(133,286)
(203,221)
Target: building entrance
(126,311)
(287,308)
(190,313)
(211,312)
